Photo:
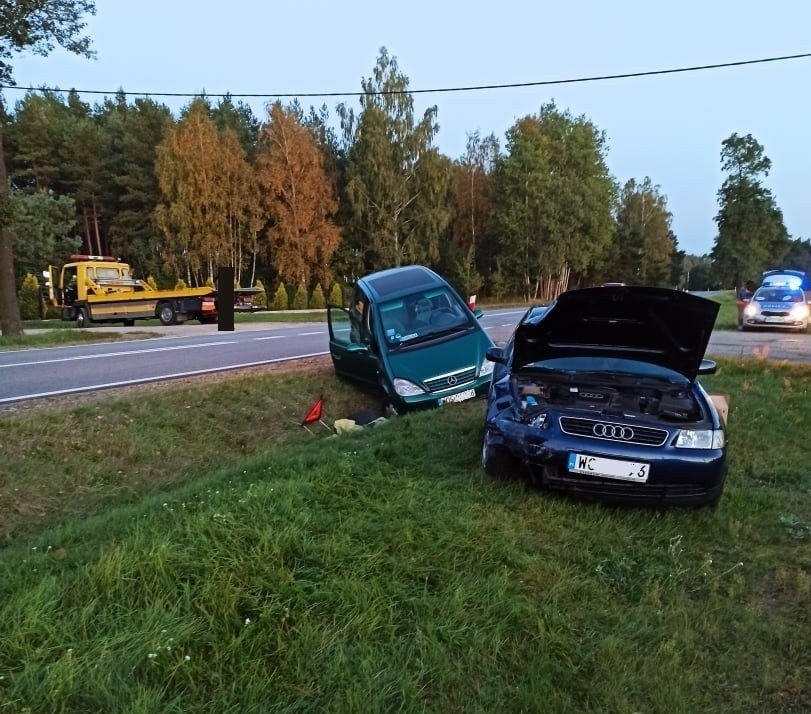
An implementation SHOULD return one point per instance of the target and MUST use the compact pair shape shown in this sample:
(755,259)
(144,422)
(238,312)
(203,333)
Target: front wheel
(83,318)
(497,461)
(167,314)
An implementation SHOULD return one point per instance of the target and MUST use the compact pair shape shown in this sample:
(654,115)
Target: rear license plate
(608,468)
(460,397)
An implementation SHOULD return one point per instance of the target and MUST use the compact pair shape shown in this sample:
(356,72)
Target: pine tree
(317,301)
(336,295)
(280,300)
(300,299)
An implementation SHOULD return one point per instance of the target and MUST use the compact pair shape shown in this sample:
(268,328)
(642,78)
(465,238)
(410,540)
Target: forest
(302,197)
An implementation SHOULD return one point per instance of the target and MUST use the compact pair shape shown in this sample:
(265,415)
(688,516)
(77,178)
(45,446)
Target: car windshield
(606,366)
(423,315)
(778,295)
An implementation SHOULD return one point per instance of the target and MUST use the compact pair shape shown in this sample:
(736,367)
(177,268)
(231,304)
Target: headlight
(751,310)
(486,368)
(404,388)
(799,312)
(700,439)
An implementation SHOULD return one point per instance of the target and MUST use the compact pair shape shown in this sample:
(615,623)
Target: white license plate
(775,319)
(608,468)
(460,397)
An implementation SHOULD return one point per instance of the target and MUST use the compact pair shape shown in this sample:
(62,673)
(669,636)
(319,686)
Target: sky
(668,127)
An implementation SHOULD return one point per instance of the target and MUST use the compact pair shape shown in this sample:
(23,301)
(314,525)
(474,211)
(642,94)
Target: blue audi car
(598,395)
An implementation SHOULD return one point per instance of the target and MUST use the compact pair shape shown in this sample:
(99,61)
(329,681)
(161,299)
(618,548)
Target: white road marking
(119,354)
(307,334)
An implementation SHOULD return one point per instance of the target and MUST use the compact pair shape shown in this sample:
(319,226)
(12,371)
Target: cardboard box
(721,402)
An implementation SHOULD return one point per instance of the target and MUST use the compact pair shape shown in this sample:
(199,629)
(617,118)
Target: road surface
(191,349)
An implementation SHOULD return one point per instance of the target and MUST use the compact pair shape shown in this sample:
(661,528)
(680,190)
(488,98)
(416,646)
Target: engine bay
(619,398)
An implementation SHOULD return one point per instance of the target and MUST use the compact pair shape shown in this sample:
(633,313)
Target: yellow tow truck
(99,288)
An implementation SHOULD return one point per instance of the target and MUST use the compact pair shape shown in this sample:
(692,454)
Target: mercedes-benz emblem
(613,431)
(452,381)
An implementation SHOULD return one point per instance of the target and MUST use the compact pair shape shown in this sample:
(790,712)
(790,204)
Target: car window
(423,315)
(779,295)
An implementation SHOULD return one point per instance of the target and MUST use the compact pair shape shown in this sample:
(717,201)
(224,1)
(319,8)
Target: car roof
(398,282)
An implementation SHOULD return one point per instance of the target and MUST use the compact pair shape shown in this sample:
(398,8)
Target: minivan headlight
(700,439)
(404,388)
(486,367)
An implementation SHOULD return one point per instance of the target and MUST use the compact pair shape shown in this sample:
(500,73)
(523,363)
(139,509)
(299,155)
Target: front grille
(451,379)
(774,313)
(612,431)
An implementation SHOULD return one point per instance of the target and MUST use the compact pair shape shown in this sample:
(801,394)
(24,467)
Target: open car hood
(655,325)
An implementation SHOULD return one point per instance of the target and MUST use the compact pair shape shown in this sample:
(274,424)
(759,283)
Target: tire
(167,314)
(83,318)
(497,461)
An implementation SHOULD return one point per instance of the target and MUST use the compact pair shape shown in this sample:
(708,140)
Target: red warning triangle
(315,412)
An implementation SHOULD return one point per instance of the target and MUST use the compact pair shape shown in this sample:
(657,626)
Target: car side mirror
(707,367)
(496,354)
(477,313)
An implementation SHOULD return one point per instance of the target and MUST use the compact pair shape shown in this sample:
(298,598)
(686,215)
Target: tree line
(300,198)
(293,199)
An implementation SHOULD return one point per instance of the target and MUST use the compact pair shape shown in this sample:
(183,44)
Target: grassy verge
(55,338)
(260,567)
(728,314)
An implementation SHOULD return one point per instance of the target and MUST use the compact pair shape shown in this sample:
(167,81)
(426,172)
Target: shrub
(151,282)
(180,284)
(336,295)
(300,299)
(280,301)
(260,299)
(317,300)
(30,299)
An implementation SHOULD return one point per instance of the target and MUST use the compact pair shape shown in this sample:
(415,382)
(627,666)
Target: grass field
(161,559)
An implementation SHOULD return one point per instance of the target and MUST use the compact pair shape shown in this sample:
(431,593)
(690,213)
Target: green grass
(58,336)
(255,567)
(728,314)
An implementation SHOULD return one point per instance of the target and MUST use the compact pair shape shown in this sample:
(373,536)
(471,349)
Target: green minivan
(410,334)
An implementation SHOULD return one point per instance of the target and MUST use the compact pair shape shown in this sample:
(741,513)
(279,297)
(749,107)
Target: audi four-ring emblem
(613,431)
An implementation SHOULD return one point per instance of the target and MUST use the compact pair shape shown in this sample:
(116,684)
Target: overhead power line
(436,90)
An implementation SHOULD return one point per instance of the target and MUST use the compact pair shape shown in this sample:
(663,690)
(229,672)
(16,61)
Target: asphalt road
(193,349)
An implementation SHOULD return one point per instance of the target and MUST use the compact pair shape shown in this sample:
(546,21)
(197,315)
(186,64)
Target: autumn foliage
(298,199)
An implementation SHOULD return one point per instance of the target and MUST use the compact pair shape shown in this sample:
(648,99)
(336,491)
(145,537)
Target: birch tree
(209,210)
(298,199)
(397,184)
(472,237)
